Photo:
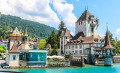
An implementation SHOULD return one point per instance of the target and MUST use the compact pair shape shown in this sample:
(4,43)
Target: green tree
(117,50)
(61,28)
(53,40)
(42,44)
(54,52)
(2,49)
(112,40)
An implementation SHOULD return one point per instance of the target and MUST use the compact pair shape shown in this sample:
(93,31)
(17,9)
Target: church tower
(87,24)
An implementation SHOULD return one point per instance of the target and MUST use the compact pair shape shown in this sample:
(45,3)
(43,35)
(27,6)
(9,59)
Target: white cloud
(65,9)
(35,10)
(77,0)
(72,33)
(117,31)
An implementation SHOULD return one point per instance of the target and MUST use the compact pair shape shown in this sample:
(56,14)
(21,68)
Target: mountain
(34,28)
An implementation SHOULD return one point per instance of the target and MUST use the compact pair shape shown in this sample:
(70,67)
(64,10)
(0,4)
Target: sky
(51,12)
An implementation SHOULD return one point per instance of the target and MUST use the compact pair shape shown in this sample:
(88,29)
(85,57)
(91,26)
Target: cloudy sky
(51,12)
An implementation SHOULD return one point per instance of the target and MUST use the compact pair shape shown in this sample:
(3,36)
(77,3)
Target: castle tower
(87,24)
(107,51)
(14,37)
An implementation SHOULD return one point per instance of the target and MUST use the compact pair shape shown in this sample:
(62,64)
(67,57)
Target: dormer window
(96,40)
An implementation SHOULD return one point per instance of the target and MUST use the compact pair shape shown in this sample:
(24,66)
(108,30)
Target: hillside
(34,28)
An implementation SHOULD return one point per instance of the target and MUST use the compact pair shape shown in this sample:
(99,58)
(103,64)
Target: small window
(14,57)
(69,47)
(76,51)
(80,46)
(72,47)
(76,46)
(96,40)
(80,51)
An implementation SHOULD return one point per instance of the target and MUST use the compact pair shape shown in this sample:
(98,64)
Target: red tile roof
(80,39)
(107,42)
(67,33)
(84,16)
(14,49)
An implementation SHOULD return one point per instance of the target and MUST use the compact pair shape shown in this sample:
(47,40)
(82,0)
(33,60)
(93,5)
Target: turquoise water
(90,69)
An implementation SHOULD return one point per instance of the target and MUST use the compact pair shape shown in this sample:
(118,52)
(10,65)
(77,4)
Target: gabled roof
(14,49)
(82,39)
(84,16)
(66,33)
(16,31)
(80,34)
(107,42)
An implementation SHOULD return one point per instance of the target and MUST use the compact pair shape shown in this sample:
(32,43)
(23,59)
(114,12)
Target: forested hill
(34,28)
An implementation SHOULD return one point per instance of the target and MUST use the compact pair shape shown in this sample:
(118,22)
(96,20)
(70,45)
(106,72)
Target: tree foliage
(34,28)
(54,52)
(112,40)
(42,44)
(2,49)
(61,28)
(53,40)
(117,50)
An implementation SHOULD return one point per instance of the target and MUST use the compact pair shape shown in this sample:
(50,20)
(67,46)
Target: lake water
(89,69)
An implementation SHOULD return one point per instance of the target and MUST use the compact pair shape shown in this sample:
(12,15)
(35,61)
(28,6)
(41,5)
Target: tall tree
(117,50)
(61,28)
(112,40)
(53,40)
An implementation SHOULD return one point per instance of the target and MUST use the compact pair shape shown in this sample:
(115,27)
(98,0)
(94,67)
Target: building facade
(65,36)
(21,54)
(86,37)
(87,24)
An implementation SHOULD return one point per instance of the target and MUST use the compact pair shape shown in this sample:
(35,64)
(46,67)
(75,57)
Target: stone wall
(58,64)
(116,59)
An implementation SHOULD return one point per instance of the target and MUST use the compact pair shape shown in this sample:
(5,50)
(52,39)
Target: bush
(2,49)
(67,56)
(67,59)
(54,52)
(51,59)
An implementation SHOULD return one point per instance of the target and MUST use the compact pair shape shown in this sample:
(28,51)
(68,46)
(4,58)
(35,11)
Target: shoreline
(87,65)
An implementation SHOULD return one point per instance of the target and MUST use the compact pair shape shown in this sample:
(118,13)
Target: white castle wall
(85,27)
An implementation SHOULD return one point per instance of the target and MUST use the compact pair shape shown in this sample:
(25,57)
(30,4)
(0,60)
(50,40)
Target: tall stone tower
(87,24)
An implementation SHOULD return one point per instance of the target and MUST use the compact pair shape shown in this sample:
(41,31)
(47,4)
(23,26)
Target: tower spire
(87,7)
(25,32)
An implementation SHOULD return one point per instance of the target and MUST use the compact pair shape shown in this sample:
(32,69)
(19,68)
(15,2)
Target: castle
(86,41)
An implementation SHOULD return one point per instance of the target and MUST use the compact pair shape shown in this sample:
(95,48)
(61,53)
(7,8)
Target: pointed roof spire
(25,32)
(107,41)
(84,16)
(14,49)
(16,31)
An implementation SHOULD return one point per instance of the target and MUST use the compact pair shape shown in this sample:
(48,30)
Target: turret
(25,35)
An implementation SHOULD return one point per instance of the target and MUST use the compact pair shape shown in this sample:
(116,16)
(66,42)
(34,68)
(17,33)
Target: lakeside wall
(116,59)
